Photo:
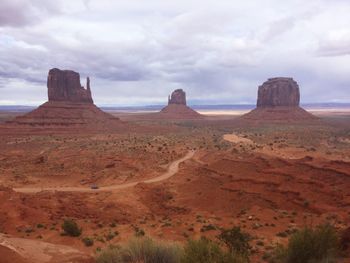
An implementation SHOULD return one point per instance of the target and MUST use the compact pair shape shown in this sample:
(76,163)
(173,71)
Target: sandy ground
(270,180)
(41,252)
(172,170)
(237,139)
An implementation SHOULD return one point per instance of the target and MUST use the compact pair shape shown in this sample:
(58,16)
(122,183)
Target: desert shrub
(236,241)
(111,255)
(139,232)
(309,245)
(208,227)
(71,228)
(88,241)
(142,250)
(111,235)
(207,251)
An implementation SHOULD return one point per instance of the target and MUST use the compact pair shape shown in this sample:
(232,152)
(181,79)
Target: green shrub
(207,251)
(88,241)
(143,250)
(110,236)
(208,228)
(236,241)
(310,245)
(139,232)
(71,228)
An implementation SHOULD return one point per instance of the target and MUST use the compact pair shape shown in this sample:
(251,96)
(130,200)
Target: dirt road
(172,170)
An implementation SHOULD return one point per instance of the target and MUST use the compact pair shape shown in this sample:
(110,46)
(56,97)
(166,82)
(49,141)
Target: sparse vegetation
(88,241)
(207,251)
(142,250)
(309,245)
(236,241)
(139,232)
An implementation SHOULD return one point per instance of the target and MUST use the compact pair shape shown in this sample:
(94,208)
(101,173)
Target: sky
(136,52)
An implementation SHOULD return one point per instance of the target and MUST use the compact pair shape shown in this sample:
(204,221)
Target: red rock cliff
(177,97)
(64,85)
(279,92)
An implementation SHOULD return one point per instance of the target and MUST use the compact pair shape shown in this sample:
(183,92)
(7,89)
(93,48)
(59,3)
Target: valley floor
(184,181)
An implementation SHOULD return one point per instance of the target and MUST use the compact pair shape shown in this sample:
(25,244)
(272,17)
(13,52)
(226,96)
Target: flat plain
(269,179)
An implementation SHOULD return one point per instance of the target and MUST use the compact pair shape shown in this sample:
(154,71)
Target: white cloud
(140,51)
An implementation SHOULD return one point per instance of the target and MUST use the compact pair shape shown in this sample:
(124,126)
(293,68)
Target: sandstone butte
(279,100)
(177,107)
(69,105)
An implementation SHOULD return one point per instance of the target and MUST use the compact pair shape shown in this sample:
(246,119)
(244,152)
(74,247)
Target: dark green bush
(71,228)
(88,241)
(139,232)
(310,245)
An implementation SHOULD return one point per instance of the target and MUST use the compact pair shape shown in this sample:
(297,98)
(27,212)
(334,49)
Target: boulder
(64,85)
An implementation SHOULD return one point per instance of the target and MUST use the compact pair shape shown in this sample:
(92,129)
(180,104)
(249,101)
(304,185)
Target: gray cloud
(138,53)
(337,47)
(21,12)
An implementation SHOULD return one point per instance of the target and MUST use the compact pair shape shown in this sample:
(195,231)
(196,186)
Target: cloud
(18,13)
(137,53)
(336,44)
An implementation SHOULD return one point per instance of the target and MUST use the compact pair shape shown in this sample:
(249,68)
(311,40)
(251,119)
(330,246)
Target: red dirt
(286,177)
(9,256)
(279,114)
(178,111)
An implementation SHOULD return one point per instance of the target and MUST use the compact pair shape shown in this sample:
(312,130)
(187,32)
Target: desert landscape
(174,178)
(174,131)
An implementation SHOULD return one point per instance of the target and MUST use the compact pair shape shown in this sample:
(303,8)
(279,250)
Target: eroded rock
(279,92)
(64,85)
(278,101)
(177,97)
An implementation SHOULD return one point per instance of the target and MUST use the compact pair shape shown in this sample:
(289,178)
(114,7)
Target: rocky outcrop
(69,105)
(279,92)
(177,108)
(278,100)
(177,97)
(64,85)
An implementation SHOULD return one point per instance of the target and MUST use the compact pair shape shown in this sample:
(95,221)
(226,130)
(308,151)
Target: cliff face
(177,97)
(64,85)
(177,108)
(279,92)
(278,101)
(69,105)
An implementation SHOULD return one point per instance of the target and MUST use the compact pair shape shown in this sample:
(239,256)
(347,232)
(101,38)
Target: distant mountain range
(21,108)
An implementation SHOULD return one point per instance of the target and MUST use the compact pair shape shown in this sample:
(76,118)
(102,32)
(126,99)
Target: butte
(69,105)
(177,108)
(278,101)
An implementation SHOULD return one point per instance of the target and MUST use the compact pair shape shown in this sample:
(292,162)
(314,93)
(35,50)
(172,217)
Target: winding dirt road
(172,170)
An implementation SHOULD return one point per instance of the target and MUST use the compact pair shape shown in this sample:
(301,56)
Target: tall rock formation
(177,108)
(279,92)
(64,85)
(177,97)
(278,100)
(69,105)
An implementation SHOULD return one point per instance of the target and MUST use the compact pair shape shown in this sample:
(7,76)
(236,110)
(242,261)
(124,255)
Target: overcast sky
(137,51)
